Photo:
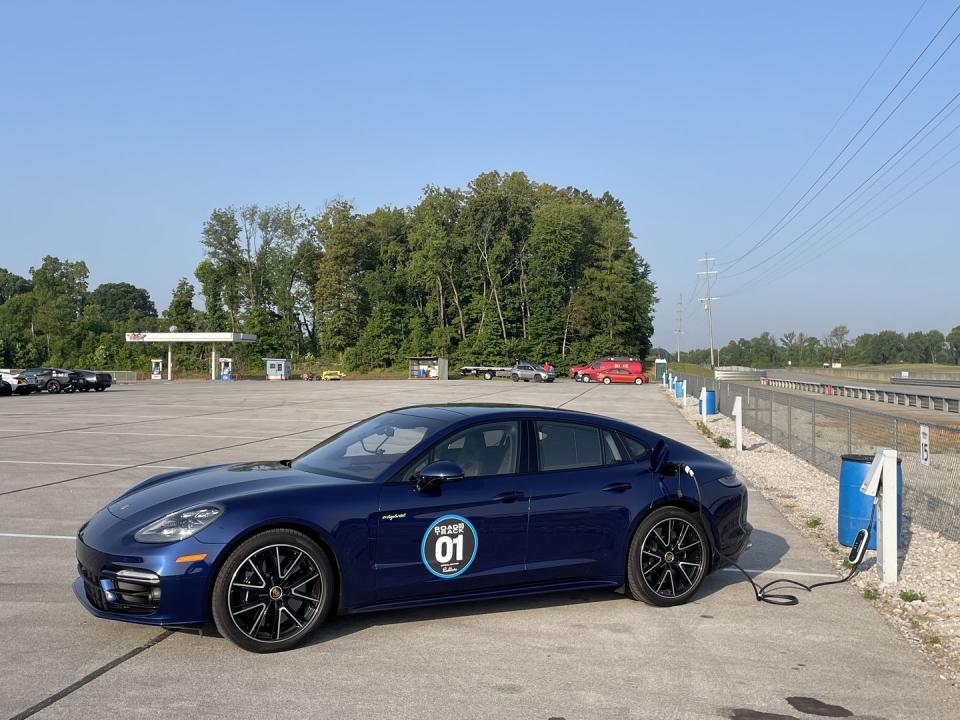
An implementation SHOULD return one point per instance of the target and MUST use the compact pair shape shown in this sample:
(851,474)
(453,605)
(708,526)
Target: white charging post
(738,417)
(684,394)
(703,405)
(881,475)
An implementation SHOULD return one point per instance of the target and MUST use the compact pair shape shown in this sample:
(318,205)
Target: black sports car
(93,380)
(417,506)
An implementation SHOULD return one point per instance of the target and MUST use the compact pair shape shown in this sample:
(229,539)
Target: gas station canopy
(170,338)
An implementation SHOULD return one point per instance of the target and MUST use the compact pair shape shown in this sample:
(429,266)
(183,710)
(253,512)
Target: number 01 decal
(449,546)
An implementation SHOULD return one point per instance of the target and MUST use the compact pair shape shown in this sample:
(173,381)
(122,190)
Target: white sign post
(738,416)
(925,445)
(881,482)
(684,394)
(703,405)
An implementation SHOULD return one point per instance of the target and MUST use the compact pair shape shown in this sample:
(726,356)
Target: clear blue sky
(122,125)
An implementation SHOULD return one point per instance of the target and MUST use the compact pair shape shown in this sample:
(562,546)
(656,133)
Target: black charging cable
(762,592)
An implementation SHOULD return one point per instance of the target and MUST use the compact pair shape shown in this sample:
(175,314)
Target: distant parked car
(615,375)
(93,380)
(53,380)
(18,383)
(577,372)
(332,375)
(528,371)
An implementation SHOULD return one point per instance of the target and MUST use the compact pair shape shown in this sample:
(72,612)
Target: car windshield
(364,451)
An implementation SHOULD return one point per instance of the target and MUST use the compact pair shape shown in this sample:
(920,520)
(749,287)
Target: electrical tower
(679,330)
(708,300)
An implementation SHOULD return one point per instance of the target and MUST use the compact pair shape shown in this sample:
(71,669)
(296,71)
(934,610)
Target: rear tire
(606,381)
(257,601)
(537,378)
(639,381)
(668,558)
(488,375)
(515,377)
(99,389)
(53,387)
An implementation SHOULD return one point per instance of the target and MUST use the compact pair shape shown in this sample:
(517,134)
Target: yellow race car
(332,375)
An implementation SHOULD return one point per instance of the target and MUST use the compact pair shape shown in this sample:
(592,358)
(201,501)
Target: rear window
(565,446)
(635,449)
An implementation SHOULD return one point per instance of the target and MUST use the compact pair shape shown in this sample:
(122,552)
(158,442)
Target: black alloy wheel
(668,559)
(53,387)
(273,590)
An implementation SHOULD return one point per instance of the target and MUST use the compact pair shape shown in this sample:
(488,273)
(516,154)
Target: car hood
(181,489)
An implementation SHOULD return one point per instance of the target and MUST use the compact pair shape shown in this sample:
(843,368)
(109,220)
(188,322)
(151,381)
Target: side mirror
(433,475)
(659,457)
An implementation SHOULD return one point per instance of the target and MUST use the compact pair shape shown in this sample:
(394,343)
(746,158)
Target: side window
(564,446)
(409,472)
(635,449)
(611,451)
(487,449)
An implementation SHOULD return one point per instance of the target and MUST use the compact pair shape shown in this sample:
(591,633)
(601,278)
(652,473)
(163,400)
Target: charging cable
(762,592)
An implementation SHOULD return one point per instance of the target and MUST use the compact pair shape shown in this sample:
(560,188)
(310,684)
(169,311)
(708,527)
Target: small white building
(278,368)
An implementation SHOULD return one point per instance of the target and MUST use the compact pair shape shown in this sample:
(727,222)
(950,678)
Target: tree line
(504,268)
(799,349)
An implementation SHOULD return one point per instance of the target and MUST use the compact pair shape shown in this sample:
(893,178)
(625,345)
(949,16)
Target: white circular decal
(449,546)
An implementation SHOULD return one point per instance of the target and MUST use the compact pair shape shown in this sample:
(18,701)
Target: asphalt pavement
(568,655)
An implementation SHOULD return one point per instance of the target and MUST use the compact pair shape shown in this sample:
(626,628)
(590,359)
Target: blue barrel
(678,389)
(711,403)
(855,507)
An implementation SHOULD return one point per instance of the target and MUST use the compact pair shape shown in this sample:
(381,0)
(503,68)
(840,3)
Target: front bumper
(143,583)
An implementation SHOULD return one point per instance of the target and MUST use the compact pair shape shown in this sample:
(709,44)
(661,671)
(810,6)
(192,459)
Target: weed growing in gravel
(846,564)
(834,549)
(723,442)
(871,593)
(932,639)
(914,623)
(911,595)
(702,427)
(813,522)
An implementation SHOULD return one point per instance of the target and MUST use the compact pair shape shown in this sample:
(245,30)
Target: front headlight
(731,481)
(178,525)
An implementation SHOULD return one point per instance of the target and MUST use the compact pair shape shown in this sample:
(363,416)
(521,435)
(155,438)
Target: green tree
(953,344)
(122,301)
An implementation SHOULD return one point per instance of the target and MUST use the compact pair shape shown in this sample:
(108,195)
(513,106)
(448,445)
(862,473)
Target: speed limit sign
(924,445)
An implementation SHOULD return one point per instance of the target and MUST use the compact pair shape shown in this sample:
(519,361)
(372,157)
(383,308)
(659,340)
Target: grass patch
(702,427)
(722,441)
(689,369)
(834,549)
(871,593)
(846,564)
(932,639)
(914,623)
(912,595)
(813,522)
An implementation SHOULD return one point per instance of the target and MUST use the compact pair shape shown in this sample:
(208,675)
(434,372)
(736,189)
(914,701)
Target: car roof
(453,412)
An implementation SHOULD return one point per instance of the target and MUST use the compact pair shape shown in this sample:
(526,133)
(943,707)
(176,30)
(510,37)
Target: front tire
(606,381)
(515,378)
(53,387)
(488,376)
(272,591)
(668,558)
(639,381)
(99,388)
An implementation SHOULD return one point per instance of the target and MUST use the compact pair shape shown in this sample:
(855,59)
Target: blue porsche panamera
(416,506)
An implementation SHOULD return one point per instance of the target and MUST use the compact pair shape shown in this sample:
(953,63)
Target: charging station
(883,473)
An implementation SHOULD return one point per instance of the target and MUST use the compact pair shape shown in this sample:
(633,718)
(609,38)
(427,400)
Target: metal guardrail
(123,377)
(923,381)
(821,432)
(907,398)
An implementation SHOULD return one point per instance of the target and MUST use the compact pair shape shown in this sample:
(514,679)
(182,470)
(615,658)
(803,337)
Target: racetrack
(575,655)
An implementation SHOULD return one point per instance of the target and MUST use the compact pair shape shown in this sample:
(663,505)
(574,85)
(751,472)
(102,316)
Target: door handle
(617,487)
(509,496)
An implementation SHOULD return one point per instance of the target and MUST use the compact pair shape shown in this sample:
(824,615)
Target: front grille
(134,592)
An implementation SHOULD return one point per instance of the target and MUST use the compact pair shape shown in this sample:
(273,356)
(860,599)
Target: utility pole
(708,300)
(679,330)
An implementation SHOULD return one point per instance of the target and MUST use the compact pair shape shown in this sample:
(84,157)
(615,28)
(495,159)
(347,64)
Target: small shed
(279,368)
(428,368)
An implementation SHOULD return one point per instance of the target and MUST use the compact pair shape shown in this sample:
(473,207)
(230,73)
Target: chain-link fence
(821,432)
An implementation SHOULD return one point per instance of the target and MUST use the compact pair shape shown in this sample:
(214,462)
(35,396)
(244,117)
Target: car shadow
(765,553)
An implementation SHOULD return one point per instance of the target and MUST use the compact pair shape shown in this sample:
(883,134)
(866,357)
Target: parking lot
(582,655)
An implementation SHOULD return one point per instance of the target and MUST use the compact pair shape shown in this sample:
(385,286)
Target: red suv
(591,372)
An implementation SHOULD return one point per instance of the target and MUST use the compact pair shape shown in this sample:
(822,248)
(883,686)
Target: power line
(829,132)
(679,330)
(783,221)
(708,300)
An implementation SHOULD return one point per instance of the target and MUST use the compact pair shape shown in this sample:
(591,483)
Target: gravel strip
(808,498)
